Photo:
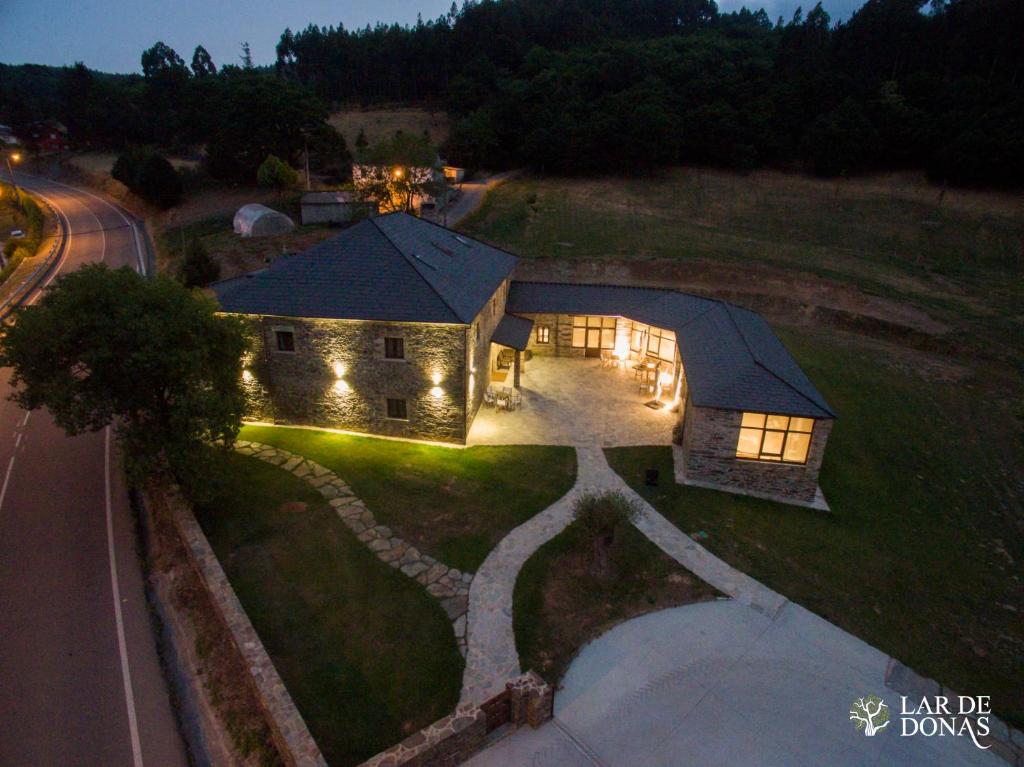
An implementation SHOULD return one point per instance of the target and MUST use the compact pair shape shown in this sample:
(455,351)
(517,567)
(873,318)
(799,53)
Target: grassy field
(922,554)
(559,605)
(382,122)
(367,655)
(957,255)
(102,162)
(453,504)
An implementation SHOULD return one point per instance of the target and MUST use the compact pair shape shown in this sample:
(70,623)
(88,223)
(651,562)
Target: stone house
(396,327)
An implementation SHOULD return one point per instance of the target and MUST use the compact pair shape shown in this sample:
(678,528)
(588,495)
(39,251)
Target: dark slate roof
(513,331)
(394,268)
(732,358)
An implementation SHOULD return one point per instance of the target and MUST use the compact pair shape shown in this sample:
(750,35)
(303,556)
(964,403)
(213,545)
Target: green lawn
(559,606)
(922,555)
(367,655)
(453,504)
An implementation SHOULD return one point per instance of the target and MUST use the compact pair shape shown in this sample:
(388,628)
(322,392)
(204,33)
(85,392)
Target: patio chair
(489,396)
(502,398)
(606,359)
(515,401)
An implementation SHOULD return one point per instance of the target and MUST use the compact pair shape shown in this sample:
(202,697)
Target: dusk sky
(110,35)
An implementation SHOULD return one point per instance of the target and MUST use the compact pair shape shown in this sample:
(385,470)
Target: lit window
(593,332)
(543,334)
(285,340)
(774,438)
(397,409)
(394,348)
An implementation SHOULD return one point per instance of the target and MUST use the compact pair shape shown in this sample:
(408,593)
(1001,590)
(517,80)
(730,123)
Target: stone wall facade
(709,456)
(450,741)
(559,342)
(478,350)
(337,376)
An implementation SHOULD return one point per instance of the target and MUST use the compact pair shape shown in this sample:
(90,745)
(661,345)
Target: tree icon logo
(870,714)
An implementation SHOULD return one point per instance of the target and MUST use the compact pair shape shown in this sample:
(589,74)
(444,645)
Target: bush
(149,175)
(197,268)
(276,173)
(601,517)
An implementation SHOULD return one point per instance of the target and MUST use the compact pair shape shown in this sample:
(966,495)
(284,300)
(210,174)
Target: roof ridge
(757,360)
(456,233)
(414,268)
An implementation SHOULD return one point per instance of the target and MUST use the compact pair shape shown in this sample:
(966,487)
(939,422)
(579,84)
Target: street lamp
(16,156)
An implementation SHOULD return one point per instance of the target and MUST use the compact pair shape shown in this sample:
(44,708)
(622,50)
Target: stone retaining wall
(450,741)
(292,738)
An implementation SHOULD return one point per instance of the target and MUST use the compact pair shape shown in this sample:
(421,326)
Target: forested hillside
(589,86)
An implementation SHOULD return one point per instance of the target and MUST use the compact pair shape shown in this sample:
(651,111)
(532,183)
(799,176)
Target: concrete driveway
(723,684)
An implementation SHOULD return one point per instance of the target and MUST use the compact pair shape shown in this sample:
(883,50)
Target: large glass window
(593,332)
(650,341)
(782,438)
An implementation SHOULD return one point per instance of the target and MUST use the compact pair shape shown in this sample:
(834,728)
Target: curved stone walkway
(448,585)
(491,657)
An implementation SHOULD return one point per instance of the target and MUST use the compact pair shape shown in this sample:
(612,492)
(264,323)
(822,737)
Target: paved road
(80,681)
(722,684)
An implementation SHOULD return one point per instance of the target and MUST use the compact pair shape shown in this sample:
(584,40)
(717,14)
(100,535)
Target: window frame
(543,334)
(280,332)
(404,408)
(603,323)
(400,340)
(766,430)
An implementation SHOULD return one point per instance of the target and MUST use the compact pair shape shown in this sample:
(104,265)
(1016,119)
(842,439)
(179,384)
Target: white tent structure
(255,220)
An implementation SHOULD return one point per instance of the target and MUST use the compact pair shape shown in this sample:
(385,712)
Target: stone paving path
(448,585)
(491,657)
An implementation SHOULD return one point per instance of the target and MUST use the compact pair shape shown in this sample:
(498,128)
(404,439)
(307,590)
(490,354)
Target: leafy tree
(841,142)
(202,63)
(397,170)
(198,269)
(361,142)
(246,56)
(602,517)
(149,175)
(257,116)
(277,174)
(161,60)
(149,357)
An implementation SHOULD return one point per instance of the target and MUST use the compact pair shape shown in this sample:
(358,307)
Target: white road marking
(122,644)
(10,464)
(131,225)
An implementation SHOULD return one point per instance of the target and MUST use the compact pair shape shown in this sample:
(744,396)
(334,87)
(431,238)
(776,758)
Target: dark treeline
(239,114)
(586,86)
(580,86)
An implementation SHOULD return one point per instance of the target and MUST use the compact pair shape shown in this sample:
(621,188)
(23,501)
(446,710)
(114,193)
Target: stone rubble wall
(450,741)
(292,738)
(446,584)
(709,455)
(302,387)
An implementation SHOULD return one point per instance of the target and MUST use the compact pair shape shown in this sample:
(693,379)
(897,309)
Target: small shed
(255,220)
(336,207)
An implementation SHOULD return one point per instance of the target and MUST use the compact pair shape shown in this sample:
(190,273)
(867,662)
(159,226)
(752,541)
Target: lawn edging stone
(446,584)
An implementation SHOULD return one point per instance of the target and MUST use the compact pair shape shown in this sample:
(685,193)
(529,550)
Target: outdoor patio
(574,401)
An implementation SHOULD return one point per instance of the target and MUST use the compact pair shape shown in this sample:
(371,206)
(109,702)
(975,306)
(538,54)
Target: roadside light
(398,172)
(16,156)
